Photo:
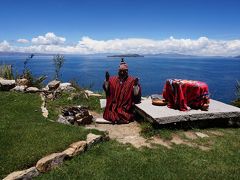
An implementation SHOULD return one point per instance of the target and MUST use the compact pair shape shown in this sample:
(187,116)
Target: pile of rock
(22,85)
(76,115)
(55,87)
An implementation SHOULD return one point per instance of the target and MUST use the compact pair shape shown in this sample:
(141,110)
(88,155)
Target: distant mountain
(237,56)
(172,55)
(125,55)
(22,54)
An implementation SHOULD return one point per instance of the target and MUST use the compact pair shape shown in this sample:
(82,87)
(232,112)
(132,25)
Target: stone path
(130,134)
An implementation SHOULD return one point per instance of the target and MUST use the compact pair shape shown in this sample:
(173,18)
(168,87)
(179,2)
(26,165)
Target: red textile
(120,100)
(182,94)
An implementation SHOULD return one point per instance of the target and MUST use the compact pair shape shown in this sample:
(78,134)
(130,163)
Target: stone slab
(165,115)
(102,121)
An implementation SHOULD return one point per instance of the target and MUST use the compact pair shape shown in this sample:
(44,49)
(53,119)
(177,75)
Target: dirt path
(130,133)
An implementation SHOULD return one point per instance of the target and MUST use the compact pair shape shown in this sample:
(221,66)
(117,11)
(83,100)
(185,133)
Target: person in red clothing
(122,92)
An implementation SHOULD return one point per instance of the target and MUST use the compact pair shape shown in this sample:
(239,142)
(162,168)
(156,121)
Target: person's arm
(137,91)
(106,83)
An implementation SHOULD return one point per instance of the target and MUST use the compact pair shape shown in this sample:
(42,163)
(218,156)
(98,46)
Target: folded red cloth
(182,94)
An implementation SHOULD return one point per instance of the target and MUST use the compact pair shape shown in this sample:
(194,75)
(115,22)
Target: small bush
(6,72)
(58,61)
(27,74)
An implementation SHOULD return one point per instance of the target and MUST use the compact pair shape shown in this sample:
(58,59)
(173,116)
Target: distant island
(237,56)
(126,55)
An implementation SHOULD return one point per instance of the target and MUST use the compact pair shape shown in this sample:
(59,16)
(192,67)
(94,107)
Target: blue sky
(104,20)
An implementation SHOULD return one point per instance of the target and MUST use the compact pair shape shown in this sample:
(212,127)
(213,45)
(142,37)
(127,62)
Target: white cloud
(24,41)
(49,39)
(5,46)
(50,43)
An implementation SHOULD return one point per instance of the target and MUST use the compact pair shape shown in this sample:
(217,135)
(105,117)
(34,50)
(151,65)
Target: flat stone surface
(165,115)
(102,121)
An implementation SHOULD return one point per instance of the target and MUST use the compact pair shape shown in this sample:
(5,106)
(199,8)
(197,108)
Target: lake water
(219,73)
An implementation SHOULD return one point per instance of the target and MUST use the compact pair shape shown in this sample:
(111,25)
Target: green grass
(111,160)
(55,106)
(25,136)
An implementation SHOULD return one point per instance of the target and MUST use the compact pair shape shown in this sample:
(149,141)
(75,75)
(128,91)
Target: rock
(64,86)
(63,120)
(67,87)
(6,85)
(102,121)
(93,139)
(76,148)
(70,89)
(51,161)
(44,110)
(85,120)
(32,89)
(217,111)
(45,89)
(22,82)
(50,96)
(190,135)
(88,92)
(25,174)
(201,135)
(19,88)
(95,95)
(53,85)
(103,103)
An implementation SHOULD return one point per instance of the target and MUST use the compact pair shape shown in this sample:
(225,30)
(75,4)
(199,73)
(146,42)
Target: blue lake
(219,73)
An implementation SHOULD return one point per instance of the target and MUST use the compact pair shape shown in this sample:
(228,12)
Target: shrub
(6,72)
(58,61)
(27,74)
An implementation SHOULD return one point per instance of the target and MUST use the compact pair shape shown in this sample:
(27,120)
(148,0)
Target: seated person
(122,92)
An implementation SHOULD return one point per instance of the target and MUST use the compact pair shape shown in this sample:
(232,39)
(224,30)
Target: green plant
(34,81)
(26,62)
(58,61)
(27,74)
(6,71)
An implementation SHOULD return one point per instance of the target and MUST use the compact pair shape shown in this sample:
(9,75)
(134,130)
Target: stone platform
(164,115)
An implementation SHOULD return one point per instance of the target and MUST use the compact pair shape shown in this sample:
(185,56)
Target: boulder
(53,85)
(67,87)
(84,120)
(22,82)
(6,85)
(76,148)
(66,119)
(25,174)
(93,139)
(32,89)
(19,88)
(51,161)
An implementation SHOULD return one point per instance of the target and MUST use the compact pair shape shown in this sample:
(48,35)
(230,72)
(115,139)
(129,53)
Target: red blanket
(120,100)
(182,94)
